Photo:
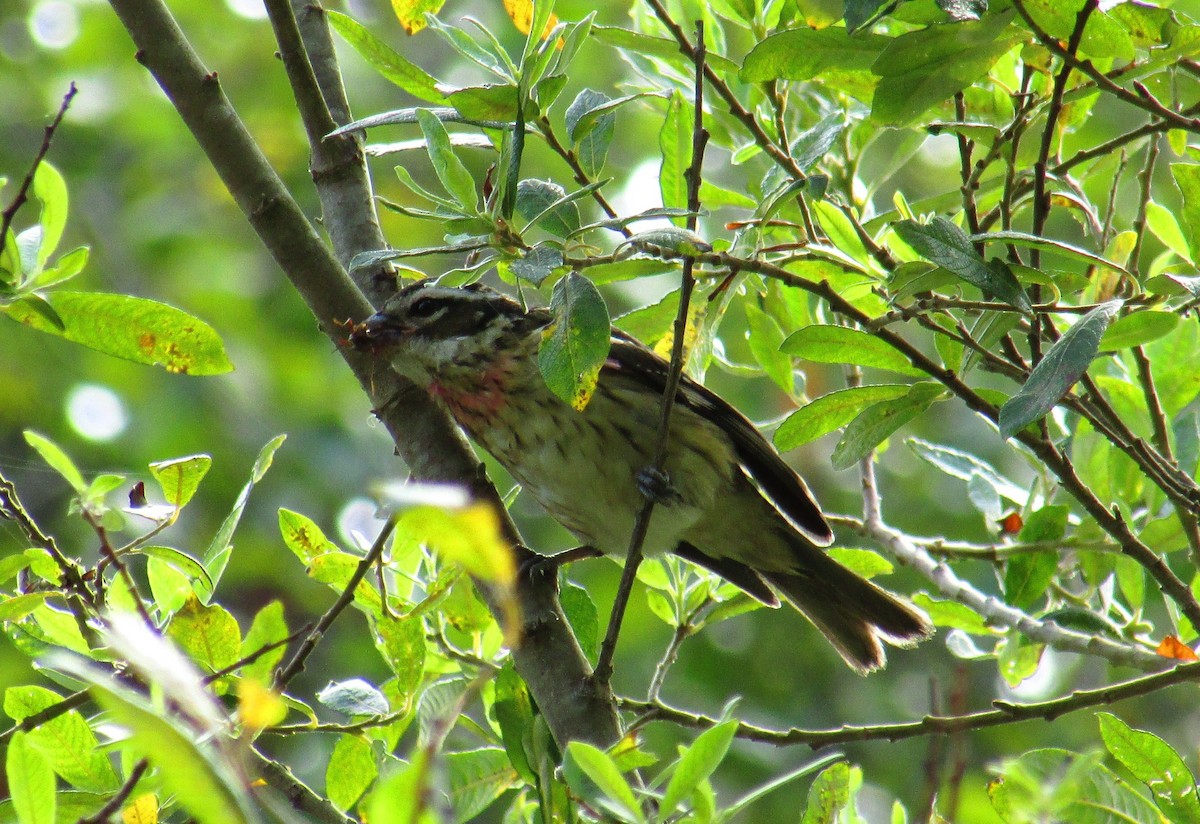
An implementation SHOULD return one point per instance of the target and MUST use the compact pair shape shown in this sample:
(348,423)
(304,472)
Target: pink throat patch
(474,399)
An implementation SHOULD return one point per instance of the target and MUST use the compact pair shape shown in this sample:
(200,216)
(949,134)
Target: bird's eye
(424,307)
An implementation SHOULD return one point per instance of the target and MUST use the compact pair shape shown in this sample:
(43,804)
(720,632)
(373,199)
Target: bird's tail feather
(851,612)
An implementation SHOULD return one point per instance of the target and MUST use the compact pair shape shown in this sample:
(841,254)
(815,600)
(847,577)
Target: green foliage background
(160,225)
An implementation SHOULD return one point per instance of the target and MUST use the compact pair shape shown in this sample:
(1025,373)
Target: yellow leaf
(521,12)
(141,810)
(470,536)
(258,706)
(411,13)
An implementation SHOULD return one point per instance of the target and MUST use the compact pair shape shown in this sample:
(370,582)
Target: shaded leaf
(943,243)
(1059,369)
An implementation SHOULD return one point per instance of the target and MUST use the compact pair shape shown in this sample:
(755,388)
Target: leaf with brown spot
(136,329)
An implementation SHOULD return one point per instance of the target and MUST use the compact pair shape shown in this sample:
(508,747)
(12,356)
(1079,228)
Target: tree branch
(549,658)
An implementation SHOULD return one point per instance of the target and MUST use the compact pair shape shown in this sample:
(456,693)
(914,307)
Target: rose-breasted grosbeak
(734,508)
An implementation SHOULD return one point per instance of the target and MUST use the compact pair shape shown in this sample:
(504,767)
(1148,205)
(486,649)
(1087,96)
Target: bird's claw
(656,485)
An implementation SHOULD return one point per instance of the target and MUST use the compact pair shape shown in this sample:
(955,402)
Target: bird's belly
(584,472)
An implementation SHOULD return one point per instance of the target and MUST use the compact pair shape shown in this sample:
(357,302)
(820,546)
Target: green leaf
(268,627)
(205,787)
(865,563)
(964,466)
(303,537)
(58,460)
(401,642)
(661,47)
(16,607)
(830,412)
(514,714)
(1027,576)
(590,107)
(575,345)
(951,614)
(209,634)
(136,329)
(598,766)
(1187,178)
(765,337)
(1057,785)
(169,587)
(922,68)
(65,268)
(216,556)
(943,243)
(841,344)
(386,60)
(350,771)
(1138,328)
(877,422)
(675,148)
(538,263)
(1161,221)
(803,53)
(179,478)
(841,231)
(67,741)
(450,170)
(582,615)
(1059,369)
(669,240)
(830,795)
(180,561)
(402,797)
(51,190)
(1052,245)
(697,763)
(547,203)
(1154,762)
(477,778)
(491,101)
(30,781)
(1103,36)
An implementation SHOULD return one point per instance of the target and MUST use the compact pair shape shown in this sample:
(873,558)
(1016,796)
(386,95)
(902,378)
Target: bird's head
(425,329)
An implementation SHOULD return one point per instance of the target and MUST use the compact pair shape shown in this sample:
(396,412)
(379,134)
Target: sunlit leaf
(136,329)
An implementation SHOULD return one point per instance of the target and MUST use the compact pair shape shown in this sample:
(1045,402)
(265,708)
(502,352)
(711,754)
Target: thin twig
(603,671)
(22,196)
(117,801)
(1110,520)
(1142,99)
(283,676)
(1004,713)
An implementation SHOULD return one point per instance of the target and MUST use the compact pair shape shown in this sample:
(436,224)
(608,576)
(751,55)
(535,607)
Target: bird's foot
(656,485)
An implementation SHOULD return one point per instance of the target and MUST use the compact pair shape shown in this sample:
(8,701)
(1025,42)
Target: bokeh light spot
(96,412)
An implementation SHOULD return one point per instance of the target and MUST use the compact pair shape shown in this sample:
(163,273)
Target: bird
(730,503)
